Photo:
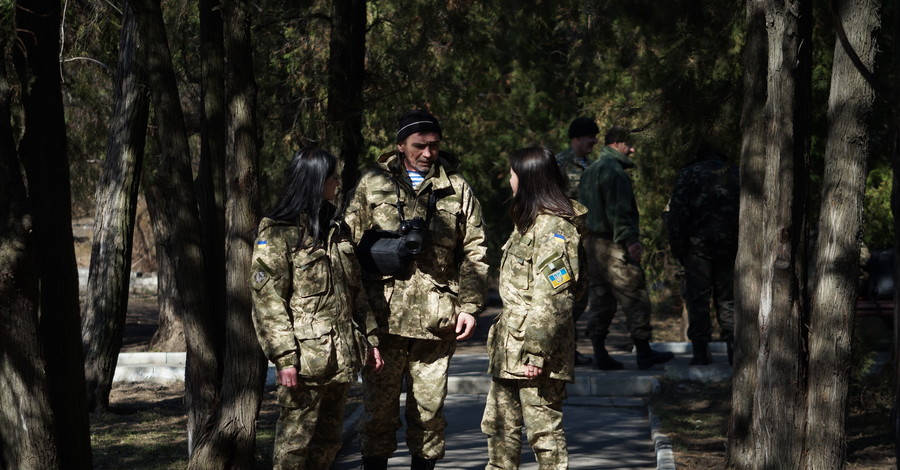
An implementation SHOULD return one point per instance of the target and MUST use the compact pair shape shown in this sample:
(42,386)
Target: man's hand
(374,360)
(532,371)
(635,250)
(465,326)
(287,377)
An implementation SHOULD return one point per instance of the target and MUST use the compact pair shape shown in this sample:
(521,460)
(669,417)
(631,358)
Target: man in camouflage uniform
(572,162)
(309,326)
(531,343)
(425,308)
(614,252)
(703,232)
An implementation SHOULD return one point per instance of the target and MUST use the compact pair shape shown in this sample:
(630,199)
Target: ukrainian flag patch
(559,277)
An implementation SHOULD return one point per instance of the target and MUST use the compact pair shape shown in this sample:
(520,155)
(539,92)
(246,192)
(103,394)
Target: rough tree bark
(103,323)
(179,226)
(780,397)
(747,264)
(43,153)
(834,287)
(31,444)
(346,72)
(229,441)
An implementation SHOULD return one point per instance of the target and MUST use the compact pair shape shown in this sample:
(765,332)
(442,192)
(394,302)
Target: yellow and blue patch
(559,277)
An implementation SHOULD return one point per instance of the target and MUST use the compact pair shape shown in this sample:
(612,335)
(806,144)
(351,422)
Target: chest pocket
(311,273)
(383,204)
(519,252)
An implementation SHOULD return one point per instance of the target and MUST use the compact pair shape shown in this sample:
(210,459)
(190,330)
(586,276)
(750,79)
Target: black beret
(583,126)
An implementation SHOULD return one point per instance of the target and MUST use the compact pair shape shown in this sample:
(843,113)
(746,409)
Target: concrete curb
(665,457)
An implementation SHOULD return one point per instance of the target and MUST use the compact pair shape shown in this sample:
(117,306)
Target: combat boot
(581,359)
(374,463)
(421,463)
(701,353)
(647,357)
(602,359)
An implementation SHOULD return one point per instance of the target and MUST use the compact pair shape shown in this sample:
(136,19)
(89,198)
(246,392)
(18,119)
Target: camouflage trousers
(534,403)
(423,364)
(705,278)
(615,281)
(308,432)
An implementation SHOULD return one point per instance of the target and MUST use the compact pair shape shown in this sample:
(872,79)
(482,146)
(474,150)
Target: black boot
(647,357)
(602,359)
(701,353)
(421,463)
(375,463)
(581,359)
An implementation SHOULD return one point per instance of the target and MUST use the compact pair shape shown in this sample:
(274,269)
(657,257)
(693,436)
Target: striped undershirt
(415,177)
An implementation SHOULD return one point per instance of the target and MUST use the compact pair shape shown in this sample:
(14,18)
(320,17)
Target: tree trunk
(179,225)
(169,334)
(43,153)
(230,441)
(103,323)
(27,445)
(747,264)
(779,401)
(840,234)
(346,71)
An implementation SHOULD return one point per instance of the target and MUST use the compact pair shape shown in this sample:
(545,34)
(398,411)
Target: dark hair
(541,187)
(303,185)
(616,134)
(583,126)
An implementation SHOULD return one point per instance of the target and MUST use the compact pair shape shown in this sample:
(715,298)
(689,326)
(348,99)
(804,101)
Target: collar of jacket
(609,152)
(436,178)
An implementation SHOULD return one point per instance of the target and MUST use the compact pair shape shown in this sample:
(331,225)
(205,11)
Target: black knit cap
(416,121)
(583,126)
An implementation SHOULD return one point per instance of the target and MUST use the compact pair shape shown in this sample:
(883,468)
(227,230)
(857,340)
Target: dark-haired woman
(531,345)
(306,321)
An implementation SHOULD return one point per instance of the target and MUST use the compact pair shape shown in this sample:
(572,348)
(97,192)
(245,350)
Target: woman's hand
(532,371)
(374,360)
(465,326)
(287,377)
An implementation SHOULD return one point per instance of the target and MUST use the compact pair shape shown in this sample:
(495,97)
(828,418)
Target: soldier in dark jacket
(703,231)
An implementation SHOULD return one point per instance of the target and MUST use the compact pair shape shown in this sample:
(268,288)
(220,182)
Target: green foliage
(879,233)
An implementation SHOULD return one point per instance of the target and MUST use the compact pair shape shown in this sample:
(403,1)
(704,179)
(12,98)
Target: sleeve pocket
(555,270)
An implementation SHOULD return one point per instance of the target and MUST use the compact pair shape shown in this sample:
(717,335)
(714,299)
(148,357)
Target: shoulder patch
(559,236)
(559,277)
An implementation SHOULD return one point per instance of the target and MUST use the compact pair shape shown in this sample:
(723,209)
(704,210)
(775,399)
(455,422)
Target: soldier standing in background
(306,320)
(531,343)
(703,233)
(614,252)
(572,162)
(427,306)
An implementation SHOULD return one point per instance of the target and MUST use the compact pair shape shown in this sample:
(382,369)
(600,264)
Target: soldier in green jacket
(572,162)
(425,307)
(532,342)
(306,319)
(614,251)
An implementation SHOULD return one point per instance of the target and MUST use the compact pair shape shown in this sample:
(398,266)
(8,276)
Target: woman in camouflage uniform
(531,345)
(306,321)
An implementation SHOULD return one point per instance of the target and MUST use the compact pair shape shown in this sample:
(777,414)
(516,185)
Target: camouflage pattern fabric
(308,432)
(302,309)
(705,278)
(704,209)
(536,404)
(617,281)
(305,318)
(572,167)
(538,274)
(417,309)
(423,364)
(449,275)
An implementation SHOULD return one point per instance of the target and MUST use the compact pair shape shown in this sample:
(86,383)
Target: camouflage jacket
(538,274)
(608,194)
(302,308)
(449,275)
(704,209)
(572,167)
